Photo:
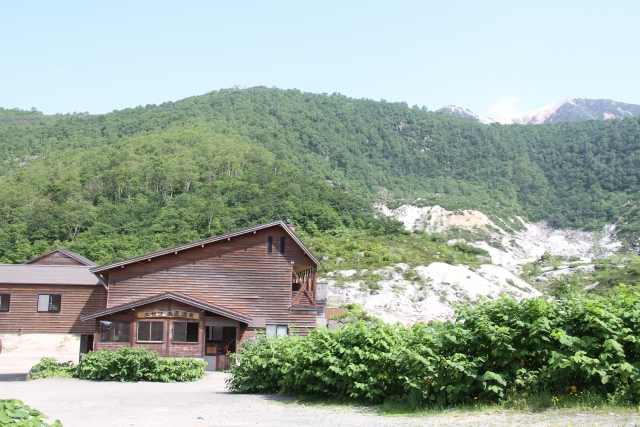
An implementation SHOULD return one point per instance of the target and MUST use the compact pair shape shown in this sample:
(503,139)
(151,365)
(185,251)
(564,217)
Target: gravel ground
(207,403)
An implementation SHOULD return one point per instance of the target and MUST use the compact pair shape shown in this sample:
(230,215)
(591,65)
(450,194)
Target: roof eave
(214,239)
(223,311)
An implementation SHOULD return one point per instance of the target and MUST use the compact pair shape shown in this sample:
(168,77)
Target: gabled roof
(70,254)
(210,240)
(29,274)
(176,296)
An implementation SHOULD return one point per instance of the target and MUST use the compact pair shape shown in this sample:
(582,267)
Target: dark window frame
(8,302)
(208,334)
(283,244)
(269,244)
(150,331)
(102,334)
(50,301)
(186,333)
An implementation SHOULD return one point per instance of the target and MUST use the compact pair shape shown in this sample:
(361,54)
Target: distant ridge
(568,110)
(455,110)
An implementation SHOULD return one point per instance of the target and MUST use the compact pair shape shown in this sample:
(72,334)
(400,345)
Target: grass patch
(359,250)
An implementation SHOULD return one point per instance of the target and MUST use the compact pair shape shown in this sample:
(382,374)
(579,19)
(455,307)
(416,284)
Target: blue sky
(494,58)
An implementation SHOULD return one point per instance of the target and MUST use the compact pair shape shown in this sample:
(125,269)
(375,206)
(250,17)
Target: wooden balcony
(303,288)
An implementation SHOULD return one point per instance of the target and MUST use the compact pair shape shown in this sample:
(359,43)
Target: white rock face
(436,219)
(442,285)
(520,246)
(433,289)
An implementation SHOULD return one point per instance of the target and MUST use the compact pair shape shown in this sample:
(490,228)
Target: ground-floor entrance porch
(174,325)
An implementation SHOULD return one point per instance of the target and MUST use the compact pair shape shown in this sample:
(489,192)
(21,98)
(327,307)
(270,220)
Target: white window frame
(277,330)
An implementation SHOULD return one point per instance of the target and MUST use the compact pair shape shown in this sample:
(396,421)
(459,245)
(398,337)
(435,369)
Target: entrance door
(220,339)
(86,344)
(229,339)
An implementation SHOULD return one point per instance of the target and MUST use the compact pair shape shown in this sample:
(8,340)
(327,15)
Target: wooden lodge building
(201,299)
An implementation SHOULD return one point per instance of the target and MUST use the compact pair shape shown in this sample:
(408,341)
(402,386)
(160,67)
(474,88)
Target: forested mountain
(139,179)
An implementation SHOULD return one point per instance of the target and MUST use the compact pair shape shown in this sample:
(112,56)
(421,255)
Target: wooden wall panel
(56,258)
(238,274)
(23,315)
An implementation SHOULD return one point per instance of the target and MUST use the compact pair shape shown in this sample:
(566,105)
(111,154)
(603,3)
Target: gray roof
(71,254)
(210,240)
(27,274)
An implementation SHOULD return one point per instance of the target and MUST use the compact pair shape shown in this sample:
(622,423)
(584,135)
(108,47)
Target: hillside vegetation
(116,185)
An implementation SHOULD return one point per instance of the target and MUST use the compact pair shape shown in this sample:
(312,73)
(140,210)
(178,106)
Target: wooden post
(203,336)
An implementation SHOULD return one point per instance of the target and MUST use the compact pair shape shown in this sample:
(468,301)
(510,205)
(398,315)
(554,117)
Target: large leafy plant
(15,413)
(489,351)
(123,364)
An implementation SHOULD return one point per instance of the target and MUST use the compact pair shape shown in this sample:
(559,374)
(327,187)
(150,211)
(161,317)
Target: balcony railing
(303,287)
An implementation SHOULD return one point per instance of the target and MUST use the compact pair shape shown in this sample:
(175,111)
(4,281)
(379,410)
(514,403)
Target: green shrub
(15,413)
(585,343)
(138,364)
(468,249)
(178,369)
(49,367)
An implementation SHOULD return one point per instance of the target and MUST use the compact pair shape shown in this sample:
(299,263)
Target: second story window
(283,243)
(269,244)
(49,303)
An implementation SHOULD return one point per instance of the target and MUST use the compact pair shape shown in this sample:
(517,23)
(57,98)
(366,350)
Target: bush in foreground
(49,367)
(123,364)
(585,345)
(15,413)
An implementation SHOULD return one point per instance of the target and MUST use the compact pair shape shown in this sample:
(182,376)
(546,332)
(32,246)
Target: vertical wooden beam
(237,336)
(202,333)
(133,332)
(165,333)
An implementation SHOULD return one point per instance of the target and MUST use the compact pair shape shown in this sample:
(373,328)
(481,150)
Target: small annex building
(48,294)
(201,299)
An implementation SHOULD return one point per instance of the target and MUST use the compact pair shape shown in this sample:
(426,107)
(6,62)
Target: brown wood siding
(165,349)
(56,258)
(238,274)
(23,315)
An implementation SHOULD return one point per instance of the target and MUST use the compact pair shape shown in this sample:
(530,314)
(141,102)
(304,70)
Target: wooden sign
(172,313)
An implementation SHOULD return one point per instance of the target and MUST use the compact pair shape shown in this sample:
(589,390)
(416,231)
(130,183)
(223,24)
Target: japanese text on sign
(170,313)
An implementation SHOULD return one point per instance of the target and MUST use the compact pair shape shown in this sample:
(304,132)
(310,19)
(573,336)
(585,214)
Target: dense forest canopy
(135,180)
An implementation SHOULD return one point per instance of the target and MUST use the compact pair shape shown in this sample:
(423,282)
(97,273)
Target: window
(214,333)
(114,331)
(4,302)
(49,303)
(283,241)
(277,330)
(185,332)
(269,244)
(150,331)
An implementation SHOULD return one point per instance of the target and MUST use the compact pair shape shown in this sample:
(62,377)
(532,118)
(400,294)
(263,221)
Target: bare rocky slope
(428,292)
